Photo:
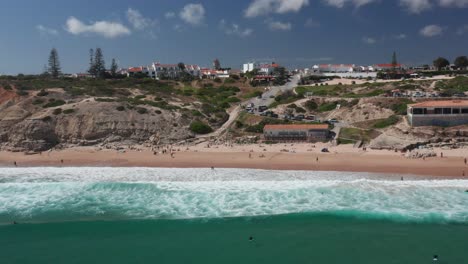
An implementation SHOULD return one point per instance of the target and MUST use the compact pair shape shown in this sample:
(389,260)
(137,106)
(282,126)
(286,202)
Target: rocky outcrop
(26,126)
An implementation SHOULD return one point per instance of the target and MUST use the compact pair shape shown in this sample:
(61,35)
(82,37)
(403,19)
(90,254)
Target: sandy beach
(256,156)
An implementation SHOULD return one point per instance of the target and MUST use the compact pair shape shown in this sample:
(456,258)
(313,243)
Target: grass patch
(54,103)
(199,127)
(383,123)
(349,134)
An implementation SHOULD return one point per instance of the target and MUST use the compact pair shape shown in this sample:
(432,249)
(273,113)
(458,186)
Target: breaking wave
(71,194)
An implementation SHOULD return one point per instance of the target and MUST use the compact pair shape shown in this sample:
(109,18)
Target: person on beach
(317,159)
(61,161)
(463,174)
(441,154)
(402,179)
(250,155)
(16,165)
(465,161)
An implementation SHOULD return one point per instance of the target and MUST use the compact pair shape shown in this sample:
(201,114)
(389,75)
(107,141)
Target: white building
(250,66)
(173,71)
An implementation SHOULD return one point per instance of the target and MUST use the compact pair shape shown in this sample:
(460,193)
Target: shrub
(392,120)
(138,97)
(292,106)
(217,80)
(158,112)
(199,127)
(120,108)
(47,119)
(142,110)
(68,111)
(57,111)
(300,110)
(54,103)
(311,105)
(38,102)
(42,93)
(22,93)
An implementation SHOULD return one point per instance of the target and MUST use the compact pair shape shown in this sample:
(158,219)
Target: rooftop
(445,103)
(296,127)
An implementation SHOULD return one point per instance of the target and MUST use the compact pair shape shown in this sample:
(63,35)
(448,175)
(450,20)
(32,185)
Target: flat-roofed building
(301,132)
(438,113)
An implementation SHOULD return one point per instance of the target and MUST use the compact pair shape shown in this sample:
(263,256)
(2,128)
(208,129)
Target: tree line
(97,65)
(460,63)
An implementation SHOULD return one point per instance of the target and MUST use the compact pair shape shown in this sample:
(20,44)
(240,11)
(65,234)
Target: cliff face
(27,124)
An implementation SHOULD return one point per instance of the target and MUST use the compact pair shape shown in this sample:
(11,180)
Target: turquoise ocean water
(143,215)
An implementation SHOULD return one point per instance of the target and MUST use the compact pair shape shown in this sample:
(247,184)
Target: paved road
(273,91)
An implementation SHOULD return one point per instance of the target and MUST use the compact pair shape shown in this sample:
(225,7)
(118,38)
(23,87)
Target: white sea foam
(56,194)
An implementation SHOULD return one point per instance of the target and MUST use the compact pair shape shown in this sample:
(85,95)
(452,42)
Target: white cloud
(104,28)
(369,40)
(462,30)
(401,36)
(264,7)
(46,31)
(138,21)
(431,31)
(454,3)
(342,3)
(193,14)
(416,6)
(279,26)
(310,23)
(234,29)
(169,15)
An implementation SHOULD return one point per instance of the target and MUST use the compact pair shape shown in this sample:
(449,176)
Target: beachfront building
(142,70)
(438,113)
(389,67)
(173,71)
(250,66)
(212,73)
(302,132)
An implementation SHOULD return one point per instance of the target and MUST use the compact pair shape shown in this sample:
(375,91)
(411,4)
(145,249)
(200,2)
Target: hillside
(39,114)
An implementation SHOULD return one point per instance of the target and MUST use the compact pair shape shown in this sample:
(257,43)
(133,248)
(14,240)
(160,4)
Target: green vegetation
(54,103)
(120,108)
(383,123)
(37,101)
(348,135)
(401,107)
(373,93)
(199,127)
(285,98)
(326,107)
(324,90)
(311,105)
(258,128)
(454,86)
(142,110)
(253,94)
(68,111)
(57,111)
(99,99)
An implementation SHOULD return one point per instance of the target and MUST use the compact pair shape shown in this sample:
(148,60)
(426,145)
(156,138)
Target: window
(438,111)
(419,111)
(447,111)
(464,111)
(456,111)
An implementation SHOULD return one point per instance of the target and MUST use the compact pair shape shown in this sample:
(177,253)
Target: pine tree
(113,68)
(91,69)
(54,64)
(394,60)
(99,64)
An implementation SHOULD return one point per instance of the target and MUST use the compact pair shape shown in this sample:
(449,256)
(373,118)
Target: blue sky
(295,33)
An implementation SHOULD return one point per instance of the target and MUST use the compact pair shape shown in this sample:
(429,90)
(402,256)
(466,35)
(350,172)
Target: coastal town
(261,107)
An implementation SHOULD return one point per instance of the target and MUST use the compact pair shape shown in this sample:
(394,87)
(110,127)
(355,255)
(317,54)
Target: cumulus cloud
(454,3)
(193,14)
(342,3)
(234,29)
(416,6)
(46,31)
(310,23)
(279,26)
(169,15)
(103,28)
(264,7)
(369,40)
(138,21)
(431,31)
(401,36)
(462,30)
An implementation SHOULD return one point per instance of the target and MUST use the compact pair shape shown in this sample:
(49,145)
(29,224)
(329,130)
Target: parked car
(310,118)
(299,117)
(332,121)
(325,150)
(275,115)
(262,108)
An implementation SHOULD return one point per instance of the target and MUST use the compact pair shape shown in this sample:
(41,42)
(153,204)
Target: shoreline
(385,162)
